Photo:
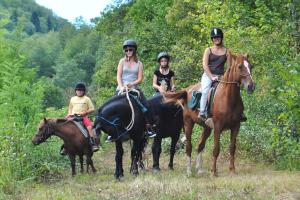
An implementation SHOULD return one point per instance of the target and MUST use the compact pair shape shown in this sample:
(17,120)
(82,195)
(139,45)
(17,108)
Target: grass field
(252,181)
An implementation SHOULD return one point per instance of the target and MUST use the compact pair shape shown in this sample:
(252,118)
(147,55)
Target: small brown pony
(226,111)
(74,141)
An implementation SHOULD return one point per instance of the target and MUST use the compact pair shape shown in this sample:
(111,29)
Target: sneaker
(149,130)
(109,139)
(151,134)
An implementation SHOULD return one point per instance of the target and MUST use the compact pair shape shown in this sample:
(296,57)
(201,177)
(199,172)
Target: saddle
(78,121)
(194,103)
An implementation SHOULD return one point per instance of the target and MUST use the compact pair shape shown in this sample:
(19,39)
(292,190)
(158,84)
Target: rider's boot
(94,145)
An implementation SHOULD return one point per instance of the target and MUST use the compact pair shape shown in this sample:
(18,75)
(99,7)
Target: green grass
(253,181)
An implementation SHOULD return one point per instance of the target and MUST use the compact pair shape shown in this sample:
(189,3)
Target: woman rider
(214,60)
(130,75)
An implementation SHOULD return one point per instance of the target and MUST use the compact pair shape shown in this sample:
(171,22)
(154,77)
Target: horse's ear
(246,55)
(45,120)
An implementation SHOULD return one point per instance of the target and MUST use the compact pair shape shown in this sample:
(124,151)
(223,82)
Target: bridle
(234,82)
(49,130)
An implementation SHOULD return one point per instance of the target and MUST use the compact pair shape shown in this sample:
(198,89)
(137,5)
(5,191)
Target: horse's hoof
(214,174)
(171,168)
(156,170)
(118,178)
(135,172)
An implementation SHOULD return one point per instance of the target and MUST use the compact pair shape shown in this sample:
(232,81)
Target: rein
(49,128)
(131,123)
(234,82)
(114,122)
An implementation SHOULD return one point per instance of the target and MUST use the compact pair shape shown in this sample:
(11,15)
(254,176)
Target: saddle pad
(194,103)
(82,129)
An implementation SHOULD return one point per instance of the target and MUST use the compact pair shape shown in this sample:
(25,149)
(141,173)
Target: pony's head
(241,70)
(44,131)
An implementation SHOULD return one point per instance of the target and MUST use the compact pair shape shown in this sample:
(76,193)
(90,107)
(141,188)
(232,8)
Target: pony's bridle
(47,133)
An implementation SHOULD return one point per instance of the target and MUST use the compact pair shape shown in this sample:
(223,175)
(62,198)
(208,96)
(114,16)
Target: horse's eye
(240,66)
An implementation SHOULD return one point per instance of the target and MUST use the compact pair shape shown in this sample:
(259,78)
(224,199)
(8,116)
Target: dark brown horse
(74,141)
(226,111)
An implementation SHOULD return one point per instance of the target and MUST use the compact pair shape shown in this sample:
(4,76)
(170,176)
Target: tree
(36,21)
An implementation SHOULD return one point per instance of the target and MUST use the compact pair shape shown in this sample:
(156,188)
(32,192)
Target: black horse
(122,121)
(170,124)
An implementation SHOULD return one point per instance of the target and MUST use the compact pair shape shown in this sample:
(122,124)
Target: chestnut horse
(74,141)
(226,111)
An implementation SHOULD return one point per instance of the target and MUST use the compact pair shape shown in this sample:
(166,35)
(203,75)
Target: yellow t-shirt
(79,105)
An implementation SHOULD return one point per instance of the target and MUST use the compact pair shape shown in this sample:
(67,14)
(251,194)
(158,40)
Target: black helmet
(163,55)
(216,32)
(130,43)
(80,86)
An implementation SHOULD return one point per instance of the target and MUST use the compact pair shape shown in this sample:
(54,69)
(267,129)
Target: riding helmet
(80,86)
(216,32)
(163,55)
(130,43)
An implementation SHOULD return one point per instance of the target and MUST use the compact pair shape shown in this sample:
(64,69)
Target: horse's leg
(188,127)
(81,163)
(134,158)
(73,160)
(118,159)
(199,162)
(172,150)
(156,150)
(89,161)
(233,135)
(87,164)
(216,150)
